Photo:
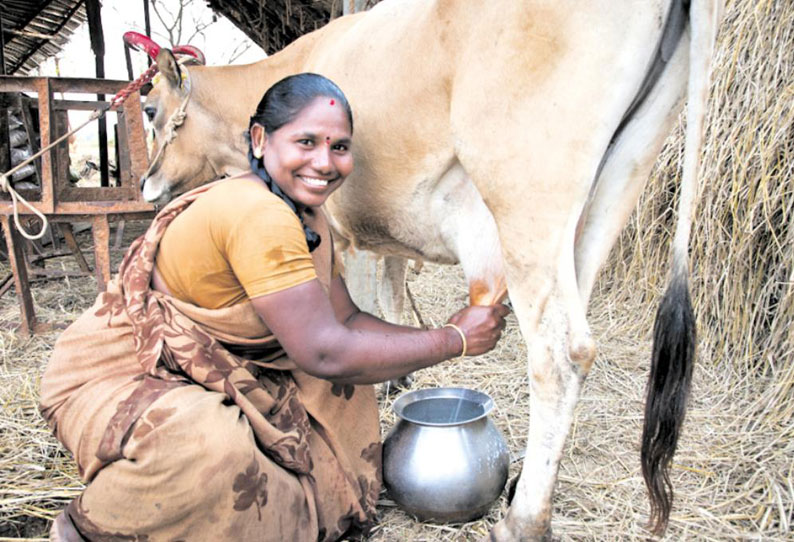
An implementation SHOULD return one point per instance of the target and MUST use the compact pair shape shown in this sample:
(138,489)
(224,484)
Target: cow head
(190,147)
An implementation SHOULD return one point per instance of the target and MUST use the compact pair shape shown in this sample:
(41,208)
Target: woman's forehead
(321,116)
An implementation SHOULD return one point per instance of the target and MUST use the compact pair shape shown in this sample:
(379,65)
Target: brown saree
(192,424)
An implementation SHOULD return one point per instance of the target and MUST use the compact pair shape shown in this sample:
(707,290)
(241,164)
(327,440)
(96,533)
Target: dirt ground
(600,494)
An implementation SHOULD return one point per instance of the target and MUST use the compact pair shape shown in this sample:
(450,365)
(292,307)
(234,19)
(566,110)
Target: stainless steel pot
(445,460)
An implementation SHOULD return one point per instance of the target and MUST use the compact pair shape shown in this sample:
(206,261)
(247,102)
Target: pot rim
(481,398)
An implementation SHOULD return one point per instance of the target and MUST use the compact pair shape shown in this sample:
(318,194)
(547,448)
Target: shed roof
(274,24)
(34,30)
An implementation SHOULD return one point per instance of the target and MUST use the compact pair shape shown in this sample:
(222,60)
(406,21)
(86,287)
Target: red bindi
(327,140)
(333,102)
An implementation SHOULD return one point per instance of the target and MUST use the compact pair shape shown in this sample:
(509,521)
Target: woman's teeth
(315,182)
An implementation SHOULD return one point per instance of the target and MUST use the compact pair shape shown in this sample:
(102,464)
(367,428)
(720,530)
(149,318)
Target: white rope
(175,121)
(16,198)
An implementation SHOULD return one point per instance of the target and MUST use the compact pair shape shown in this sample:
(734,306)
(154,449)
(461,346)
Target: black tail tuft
(668,389)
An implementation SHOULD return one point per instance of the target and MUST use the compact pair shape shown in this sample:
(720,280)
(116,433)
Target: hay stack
(742,246)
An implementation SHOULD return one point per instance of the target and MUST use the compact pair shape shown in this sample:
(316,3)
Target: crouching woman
(220,388)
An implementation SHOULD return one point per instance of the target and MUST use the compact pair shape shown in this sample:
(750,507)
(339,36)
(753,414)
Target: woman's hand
(482,325)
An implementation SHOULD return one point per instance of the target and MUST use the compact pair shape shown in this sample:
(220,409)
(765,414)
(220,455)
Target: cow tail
(673,352)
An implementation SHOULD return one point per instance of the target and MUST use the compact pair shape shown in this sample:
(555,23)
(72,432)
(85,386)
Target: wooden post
(5,144)
(2,48)
(101,231)
(147,24)
(16,257)
(93,11)
(353,6)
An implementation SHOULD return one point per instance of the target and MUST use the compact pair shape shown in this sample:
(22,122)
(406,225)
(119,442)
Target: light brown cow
(507,136)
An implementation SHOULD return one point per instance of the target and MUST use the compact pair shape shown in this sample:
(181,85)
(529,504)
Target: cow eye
(150,111)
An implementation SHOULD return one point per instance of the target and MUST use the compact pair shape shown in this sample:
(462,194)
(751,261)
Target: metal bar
(16,257)
(5,144)
(101,231)
(128,60)
(83,207)
(136,139)
(30,129)
(19,83)
(2,47)
(147,24)
(78,105)
(71,242)
(94,13)
(45,122)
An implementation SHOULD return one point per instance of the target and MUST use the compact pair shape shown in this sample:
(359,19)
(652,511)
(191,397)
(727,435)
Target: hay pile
(734,471)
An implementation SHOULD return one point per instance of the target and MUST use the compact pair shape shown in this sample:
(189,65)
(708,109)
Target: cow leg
(537,236)
(391,295)
(560,351)
(627,169)
(536,202)
(361,278)
(391,289)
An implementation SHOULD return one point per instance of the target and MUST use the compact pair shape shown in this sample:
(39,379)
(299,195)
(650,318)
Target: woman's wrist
(459,339)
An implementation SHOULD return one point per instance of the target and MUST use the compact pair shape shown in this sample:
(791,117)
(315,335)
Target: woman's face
(310,156)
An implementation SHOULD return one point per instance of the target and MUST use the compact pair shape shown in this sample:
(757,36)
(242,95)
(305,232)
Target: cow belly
(444,221)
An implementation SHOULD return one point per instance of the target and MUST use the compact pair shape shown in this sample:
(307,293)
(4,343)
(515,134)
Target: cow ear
(168,66)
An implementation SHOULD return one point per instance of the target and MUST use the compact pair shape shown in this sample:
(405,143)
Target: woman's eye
(306,142)
(340,147)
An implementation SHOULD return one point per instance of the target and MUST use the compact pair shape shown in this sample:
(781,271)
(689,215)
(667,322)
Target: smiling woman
(228,354)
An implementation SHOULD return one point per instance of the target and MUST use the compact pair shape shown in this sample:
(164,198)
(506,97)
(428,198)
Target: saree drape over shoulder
(193,424)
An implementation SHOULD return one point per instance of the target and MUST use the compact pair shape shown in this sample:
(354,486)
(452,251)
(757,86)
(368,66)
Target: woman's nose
(321,160)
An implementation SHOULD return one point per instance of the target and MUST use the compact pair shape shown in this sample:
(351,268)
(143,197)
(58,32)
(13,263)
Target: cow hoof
(502,532)
(397,385)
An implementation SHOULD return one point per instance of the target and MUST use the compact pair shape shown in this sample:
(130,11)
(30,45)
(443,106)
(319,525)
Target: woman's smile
(310,156)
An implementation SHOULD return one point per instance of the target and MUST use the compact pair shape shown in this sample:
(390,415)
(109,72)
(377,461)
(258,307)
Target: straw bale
(734,470)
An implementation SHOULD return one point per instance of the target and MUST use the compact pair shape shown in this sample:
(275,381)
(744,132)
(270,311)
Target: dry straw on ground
(734,471)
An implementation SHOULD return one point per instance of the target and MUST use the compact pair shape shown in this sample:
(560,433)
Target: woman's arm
(352,317)
(332,339)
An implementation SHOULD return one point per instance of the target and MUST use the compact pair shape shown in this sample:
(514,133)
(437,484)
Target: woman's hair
(280,105)
(286,99)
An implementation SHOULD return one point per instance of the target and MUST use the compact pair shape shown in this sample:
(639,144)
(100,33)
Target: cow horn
(195,52)
(139,42)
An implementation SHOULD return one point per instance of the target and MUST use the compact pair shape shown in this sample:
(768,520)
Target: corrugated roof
(34,30)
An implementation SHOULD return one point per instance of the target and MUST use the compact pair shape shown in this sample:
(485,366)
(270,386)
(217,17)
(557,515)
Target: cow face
(180,157)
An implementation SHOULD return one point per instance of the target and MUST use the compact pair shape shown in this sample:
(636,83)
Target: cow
(512,137)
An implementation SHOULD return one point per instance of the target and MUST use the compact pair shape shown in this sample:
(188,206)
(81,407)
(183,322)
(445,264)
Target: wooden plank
(16,257)
(78,105)
(5,145)
(45,122)
(83,207)
(71,242)
(17,83)
(101,231)
(136,138)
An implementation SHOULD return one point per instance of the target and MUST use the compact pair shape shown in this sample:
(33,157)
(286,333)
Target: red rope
(122,95)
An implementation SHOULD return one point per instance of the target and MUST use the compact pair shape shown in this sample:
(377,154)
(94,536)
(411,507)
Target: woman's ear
(258,140)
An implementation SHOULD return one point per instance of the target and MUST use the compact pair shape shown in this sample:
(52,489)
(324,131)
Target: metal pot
(445,460)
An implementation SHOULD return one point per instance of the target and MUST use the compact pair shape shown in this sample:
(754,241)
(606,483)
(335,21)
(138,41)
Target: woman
(217,390)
